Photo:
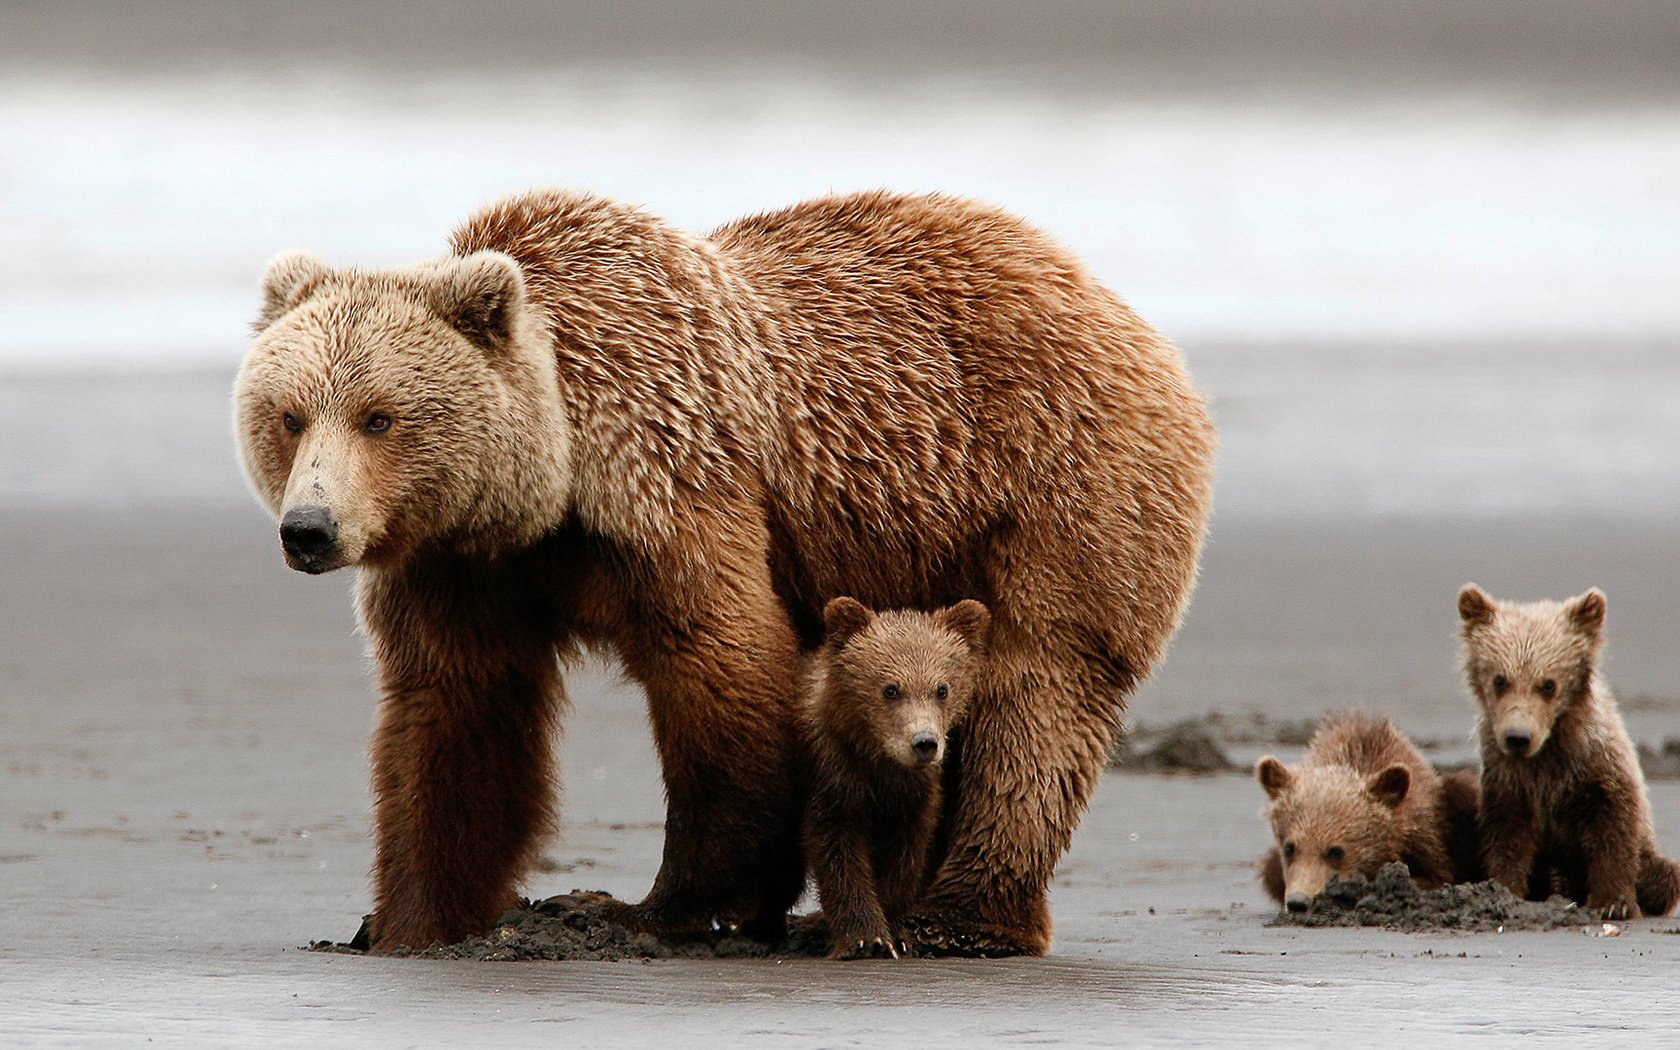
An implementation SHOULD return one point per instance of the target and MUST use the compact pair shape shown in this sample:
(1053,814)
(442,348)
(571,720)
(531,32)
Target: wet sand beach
(184,807)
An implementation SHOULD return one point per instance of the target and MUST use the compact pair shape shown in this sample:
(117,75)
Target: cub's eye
(1548,688)
(1500,684)
(942,692)
(291,423)
(377,424)
(890,692)
(1289,851)
(1334,854)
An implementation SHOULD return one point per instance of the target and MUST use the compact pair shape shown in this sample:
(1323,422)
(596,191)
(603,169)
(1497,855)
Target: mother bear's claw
(937,934)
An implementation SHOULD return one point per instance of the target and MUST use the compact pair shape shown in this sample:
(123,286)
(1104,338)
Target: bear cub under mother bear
(883,694)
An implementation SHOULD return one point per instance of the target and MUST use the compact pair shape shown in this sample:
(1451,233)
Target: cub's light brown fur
(883,694)
(1563,797)
(1362,797)
(608,432)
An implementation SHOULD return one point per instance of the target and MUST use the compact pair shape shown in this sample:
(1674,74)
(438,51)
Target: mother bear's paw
(954,931)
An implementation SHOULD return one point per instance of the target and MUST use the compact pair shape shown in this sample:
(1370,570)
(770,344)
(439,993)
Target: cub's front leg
(1610,839)
(838,847)
(904,861)
(1510,834)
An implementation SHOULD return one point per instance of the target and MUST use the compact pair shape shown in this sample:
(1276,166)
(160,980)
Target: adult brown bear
(585,427)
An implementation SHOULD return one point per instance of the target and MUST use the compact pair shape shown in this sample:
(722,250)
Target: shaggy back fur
(914,426)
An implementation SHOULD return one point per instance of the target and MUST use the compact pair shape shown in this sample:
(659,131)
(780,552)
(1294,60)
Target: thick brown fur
(607,432)
(1362,797)
(1564,807)
(878,684)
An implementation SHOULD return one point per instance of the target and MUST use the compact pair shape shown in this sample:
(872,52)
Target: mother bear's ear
(479,295)
(843,618)
(290,278)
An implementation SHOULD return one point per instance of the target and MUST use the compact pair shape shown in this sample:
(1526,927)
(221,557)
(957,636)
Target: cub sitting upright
(881,694)
(1363,797)
(1563,797)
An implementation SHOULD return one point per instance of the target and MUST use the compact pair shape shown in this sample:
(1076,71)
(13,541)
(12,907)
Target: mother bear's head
(381,413)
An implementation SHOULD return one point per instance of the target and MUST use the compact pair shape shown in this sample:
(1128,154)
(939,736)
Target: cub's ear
(1391,786)
(843,618)
(478,295)
(1273,775)
(969,619)
(289,279)
(1587,611)
(1475,606)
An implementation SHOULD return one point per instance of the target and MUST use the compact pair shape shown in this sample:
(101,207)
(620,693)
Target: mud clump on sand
(1393,901)
(580,926)
(1200,744)
(1184,749)
(1661,761)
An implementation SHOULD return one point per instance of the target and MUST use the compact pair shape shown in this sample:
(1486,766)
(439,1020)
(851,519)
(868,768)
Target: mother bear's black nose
(309,535)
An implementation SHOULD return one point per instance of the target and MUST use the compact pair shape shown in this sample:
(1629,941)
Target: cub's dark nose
(1296,902)
(925,745)
(1517,741)
(309,535)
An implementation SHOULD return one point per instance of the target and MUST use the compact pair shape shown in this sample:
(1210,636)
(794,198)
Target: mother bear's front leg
(712,646)
(462,755)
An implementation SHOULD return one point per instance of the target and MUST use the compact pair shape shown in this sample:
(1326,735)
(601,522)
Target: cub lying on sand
(1563,798)
(882,694)
(1362,797)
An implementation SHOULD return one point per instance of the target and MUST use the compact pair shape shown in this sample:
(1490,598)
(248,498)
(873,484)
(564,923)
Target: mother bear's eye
(377,423)
(890,692)
(943,691)
(291,423)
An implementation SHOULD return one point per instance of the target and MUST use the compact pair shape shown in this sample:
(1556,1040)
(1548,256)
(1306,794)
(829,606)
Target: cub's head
(1528,663)
(896,682)
(1331,820)
(377,413)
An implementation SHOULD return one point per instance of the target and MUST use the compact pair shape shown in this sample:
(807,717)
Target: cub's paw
(866,948)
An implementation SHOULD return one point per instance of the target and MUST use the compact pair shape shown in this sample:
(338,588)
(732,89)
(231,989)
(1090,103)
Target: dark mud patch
(1393,901)
(1200,744)
(1661,761)
(1185,748)
(580,926)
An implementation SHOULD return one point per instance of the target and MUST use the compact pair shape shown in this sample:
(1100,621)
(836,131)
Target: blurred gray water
(136,213)
(1421,270)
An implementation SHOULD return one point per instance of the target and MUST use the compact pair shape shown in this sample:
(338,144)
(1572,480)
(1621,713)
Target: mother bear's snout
(309,536)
